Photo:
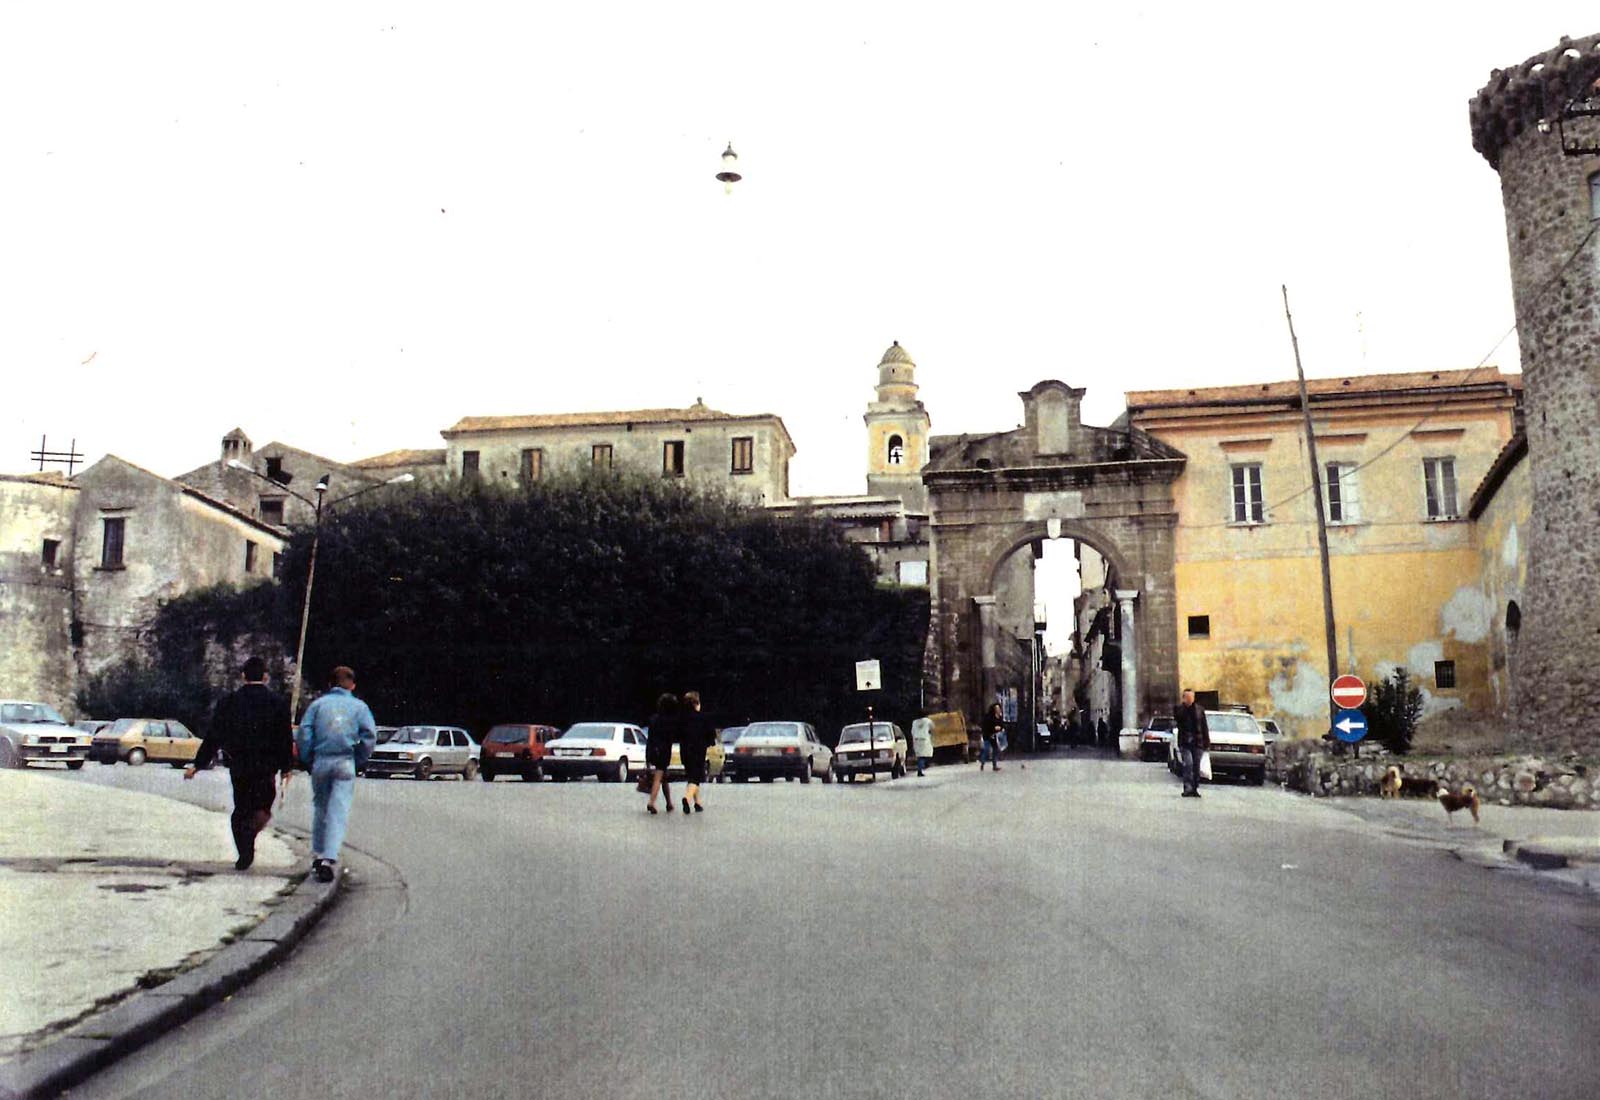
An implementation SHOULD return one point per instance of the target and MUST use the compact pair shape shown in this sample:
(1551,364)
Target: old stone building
(747,455)
(1400,454)
(279,481)
(1502,517)
(37,545)
(426,466)
(1538,125)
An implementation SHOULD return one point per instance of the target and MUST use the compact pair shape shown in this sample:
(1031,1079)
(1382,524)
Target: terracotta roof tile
(1276,392)
(577,420)
(426,457)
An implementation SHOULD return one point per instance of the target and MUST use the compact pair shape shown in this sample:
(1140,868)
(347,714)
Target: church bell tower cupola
(897,431)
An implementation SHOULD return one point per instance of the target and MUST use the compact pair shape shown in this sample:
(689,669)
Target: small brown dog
(1390,788)
(1466,800)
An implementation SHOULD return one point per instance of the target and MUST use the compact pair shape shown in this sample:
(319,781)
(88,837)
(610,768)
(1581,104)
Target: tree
(584,597)
(1393,710)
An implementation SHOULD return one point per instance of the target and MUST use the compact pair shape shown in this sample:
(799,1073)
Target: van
(949,731)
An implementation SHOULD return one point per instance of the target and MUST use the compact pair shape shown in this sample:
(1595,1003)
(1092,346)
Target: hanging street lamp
(730,170)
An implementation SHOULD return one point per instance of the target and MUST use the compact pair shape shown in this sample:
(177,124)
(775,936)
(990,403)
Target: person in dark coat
(665,726)
(1102,732)
(694,739)
(1194,738)
(989,733)
(252,726)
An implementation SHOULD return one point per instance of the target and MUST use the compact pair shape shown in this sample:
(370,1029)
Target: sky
(346,226)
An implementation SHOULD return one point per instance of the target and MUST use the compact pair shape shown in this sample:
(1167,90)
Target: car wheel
(620,773)
(8,755)
(1257,778)
(805,773)
(529,775)
(486,774)
(827,776)
(74,765)
(470,772)
(424,769)
(136,757)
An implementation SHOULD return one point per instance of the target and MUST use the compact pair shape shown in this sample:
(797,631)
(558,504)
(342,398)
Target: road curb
(92,1044)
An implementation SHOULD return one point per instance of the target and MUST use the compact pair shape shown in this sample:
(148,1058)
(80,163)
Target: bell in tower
(897,432)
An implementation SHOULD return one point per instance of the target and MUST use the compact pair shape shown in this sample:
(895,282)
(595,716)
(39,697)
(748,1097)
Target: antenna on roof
(68,458)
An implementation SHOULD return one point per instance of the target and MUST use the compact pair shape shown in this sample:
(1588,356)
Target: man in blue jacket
(336,736)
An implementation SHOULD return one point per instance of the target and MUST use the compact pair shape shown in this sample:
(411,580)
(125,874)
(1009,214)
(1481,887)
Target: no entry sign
(1349,692)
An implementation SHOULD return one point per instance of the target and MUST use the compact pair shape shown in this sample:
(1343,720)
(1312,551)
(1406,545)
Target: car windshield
(508,734)
(1231,723)
(883,732)
(24,713)
(1162,722)
(731,734)
(789,730)
(413,735)
(601,731)
(123,725)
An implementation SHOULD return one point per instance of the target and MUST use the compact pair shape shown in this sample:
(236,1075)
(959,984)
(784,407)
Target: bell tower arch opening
(897,432)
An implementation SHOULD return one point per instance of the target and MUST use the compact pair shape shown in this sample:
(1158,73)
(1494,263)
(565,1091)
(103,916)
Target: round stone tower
(897,432)
(1538,124)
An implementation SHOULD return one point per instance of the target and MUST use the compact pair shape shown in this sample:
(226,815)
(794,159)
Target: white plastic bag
(1205,766)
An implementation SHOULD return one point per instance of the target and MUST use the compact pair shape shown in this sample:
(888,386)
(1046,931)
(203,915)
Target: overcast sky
(344,226)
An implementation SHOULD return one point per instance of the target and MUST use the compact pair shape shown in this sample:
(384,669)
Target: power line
(1442,402)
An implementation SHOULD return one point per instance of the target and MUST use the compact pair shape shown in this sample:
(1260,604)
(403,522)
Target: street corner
(1552,853)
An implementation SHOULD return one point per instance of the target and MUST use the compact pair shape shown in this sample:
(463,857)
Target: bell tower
(897,432)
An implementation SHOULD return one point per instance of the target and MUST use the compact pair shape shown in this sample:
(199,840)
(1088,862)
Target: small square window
(50,556)
(1199,626)
(275,470)
(672,458)
(600,456)
(744,455)
(1247,502)
(1439,486)
(249,556)
(272,512)
(886,530)
(112,531)
(1444,674)
(277,566)
(469,465)
(532,468)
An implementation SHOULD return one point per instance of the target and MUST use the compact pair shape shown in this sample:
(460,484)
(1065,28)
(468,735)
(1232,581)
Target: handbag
(1000,740)
(1205,765)
(643,786)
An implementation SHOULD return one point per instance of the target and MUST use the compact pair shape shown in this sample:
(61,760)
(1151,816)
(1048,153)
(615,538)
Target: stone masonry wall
(1555,270)
(1307,767)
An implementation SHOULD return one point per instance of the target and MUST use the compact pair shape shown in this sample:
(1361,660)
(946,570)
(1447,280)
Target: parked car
(424,752)
(1042,737)
(727,737)
(1269,729)
(870,749)
(1155,740)
(611,751)
(1237,747)
(136,740)
(386,732)
(716,758)
(34,732)
(767,750)
(516,748)
(91,726)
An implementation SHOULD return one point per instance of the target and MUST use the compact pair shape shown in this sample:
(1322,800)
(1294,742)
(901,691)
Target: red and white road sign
(1349,692)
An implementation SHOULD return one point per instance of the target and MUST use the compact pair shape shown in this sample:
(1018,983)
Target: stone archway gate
(990,495)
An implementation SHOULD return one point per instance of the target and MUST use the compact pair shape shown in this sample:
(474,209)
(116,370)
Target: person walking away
(989,745)
(1102,732)
(664,730)
(337,734)
(252,725)
(922,744)
(694,740)
(1194,738)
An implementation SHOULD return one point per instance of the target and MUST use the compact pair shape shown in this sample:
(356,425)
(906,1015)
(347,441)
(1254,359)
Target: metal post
(305,614)
(872,743)
(1322,527)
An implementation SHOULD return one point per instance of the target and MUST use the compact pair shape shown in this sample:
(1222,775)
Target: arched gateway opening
(993,497)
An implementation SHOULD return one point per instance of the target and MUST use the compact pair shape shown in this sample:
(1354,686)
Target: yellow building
(1401,455)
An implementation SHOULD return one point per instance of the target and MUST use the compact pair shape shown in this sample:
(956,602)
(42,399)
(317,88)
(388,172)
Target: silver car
(1237,747)
(766,750)
(426,751)
(32,733)
(869,749)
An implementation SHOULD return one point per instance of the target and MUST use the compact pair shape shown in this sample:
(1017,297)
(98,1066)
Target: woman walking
(694,738)
(665,724)
(989,747)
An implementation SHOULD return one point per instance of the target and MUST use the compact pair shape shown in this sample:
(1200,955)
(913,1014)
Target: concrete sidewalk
(104,892)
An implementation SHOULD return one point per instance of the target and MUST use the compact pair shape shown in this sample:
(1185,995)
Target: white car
(610,750)
(767,750)
(1237,747)
(32,733)
(879,747)
(426,751)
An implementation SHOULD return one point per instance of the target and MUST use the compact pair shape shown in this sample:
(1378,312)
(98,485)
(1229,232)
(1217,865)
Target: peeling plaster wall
(36,600)
(1503,551)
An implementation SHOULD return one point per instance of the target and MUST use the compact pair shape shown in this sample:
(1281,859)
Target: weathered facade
(36,568)
(993,496)
(280,480)
(1399,454)
(747,455)
(1502,515)
(142,539)
(426,466)
(1538,125)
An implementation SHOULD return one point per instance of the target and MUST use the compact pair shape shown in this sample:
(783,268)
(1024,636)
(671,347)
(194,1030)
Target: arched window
(897,450)
(1513,620)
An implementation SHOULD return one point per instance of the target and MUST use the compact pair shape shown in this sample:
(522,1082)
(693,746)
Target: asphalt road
(1072,929)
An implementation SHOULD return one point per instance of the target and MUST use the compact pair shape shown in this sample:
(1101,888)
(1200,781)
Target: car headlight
(408,755)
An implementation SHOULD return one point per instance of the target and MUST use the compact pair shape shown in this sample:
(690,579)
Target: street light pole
(311,569)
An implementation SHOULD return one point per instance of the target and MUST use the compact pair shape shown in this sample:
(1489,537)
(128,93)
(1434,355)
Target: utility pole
(1322,525)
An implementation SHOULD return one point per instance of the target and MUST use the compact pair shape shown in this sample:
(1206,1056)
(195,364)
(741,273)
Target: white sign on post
(867,676)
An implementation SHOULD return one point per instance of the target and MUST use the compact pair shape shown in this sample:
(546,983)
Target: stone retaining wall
(1309,766)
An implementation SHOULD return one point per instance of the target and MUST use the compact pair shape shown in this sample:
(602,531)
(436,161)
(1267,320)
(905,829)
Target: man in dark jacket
(252,726)
(1194,738)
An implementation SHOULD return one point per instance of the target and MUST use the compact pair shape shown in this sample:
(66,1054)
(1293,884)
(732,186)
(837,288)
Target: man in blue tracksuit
(336,736)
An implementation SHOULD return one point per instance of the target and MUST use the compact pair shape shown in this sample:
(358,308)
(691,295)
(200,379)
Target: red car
(515,748)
